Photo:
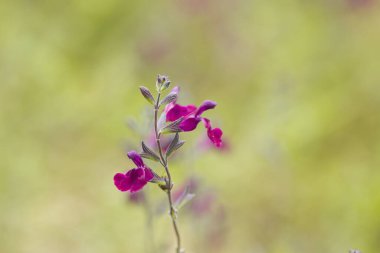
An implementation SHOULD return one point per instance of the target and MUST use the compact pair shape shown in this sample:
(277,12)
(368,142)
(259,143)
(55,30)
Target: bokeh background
(298,91)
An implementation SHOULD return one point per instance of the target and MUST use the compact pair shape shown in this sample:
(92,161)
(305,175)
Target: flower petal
(206,105)
(206,123)
(138,185)
(215,136)
(175,90)
(177,111)
(136,158)
(148,174)
(122,182)
(136,173)
(189,124)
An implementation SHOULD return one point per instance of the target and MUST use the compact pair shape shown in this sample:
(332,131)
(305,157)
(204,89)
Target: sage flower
(136,178)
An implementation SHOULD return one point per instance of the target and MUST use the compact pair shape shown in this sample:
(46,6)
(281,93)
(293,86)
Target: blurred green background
(298,91)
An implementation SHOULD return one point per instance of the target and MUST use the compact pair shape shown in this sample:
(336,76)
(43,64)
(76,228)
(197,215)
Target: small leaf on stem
(147,95)
(173,127)
(174,145)
(148,153)
(168,99)
(185,197)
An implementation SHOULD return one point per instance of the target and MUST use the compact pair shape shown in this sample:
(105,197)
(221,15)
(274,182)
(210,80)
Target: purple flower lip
(206,105)
(136,158)
(176,111)
(189,124)
(136,178)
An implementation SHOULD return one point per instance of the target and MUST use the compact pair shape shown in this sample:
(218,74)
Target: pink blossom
(191,118)
(136,178)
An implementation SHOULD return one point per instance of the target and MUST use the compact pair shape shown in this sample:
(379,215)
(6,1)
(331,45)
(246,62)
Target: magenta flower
(191,118)
(134,179)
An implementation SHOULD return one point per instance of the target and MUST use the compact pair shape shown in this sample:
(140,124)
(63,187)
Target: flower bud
(165,85)
(162,83)
(165,187)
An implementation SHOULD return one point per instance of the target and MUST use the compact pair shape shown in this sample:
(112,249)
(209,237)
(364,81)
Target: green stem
(164,163)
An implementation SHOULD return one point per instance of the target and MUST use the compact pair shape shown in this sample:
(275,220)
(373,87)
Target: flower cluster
(187,118)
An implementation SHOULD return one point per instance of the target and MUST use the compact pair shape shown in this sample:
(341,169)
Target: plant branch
(164,163)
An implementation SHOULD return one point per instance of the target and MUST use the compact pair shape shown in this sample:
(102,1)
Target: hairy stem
(164,163)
